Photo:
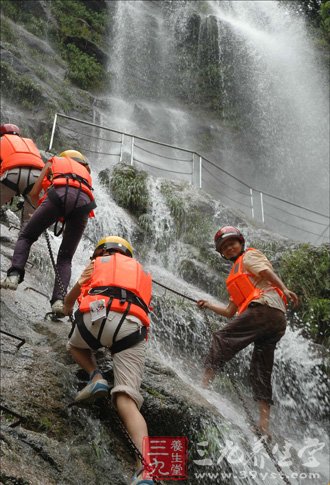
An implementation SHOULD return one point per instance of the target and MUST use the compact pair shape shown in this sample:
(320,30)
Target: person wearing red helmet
(20,167)
(258,297)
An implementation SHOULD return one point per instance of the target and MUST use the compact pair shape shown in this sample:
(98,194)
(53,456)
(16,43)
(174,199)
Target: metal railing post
(200,172)
(53,133)
(251,200)
(121,147)
(132,151)
(262,208)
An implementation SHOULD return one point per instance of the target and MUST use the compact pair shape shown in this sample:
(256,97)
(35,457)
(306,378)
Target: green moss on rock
(193,218)
(22,88)
(129,189)
(306,271)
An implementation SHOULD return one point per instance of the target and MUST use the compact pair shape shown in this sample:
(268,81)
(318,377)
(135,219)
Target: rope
(176,292)
(224,183)
(100,153)
(292,225)
(57,275)
(227,196)
(22,340)
(163,156)
(159,168)
(182,149)
(130,442)
(88,135)
(265,193)
(240,396)
(295,215)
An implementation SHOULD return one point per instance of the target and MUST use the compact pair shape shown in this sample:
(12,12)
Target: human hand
(67,309)
(291,296)
(203,304)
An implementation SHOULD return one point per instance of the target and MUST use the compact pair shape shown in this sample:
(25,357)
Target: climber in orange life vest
(114,294)
(259,297)
(69,196)
(21,164)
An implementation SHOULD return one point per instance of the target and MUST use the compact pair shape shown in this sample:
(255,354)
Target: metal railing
(178,163)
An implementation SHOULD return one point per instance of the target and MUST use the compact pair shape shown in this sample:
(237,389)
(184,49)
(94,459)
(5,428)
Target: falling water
(281,92)
(180,338)
(271,128)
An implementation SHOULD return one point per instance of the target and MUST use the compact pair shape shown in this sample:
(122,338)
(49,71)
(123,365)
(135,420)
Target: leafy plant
(84,70)
(306,271)
(129,189)
(22,88)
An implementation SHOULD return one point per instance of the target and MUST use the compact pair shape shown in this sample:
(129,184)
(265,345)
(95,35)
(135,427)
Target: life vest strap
(73,176)
(89,338)
(120,294)
(94,343)
(11,185)
(53,196)
(129,341)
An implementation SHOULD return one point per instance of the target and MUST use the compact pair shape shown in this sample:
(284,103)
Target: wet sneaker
(138,480)
(10,282)
(93,391)
(58,307)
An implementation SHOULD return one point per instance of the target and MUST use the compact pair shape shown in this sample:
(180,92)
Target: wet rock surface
(56,444)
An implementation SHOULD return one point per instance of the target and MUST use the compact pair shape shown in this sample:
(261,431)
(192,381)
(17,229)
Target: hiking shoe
(93,391)
(58,307)
(138,480)
(10,282)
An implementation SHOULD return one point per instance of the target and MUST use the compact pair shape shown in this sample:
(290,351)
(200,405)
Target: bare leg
(133,420)
(264,414)
(86,359)
(209,375)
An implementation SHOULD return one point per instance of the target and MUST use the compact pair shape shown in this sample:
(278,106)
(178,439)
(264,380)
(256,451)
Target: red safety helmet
(227,232)
(9,129)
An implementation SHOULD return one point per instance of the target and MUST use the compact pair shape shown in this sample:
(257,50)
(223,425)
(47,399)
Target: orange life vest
(241,288)
(66,171)
(19,152)
(118,272)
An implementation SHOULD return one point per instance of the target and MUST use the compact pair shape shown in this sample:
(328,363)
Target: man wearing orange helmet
(20,166)
(259,297)
(114,294)
(69,196)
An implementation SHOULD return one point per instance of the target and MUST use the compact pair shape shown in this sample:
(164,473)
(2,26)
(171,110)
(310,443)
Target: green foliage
(325,16)
(76,20)
(129,189)
(84,70)
(306,271)
(192,226)
(175,204)
(7,33)
(10,8)
(21,12)
(19,87)
(45,424)
(79,31)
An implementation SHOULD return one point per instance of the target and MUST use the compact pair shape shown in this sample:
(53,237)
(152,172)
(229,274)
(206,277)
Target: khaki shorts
(128,365)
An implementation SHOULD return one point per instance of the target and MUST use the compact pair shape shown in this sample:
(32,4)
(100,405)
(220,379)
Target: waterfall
(277,81)
(180,337)
(241,82)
